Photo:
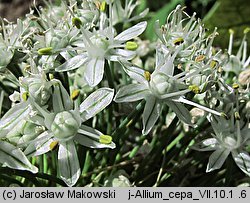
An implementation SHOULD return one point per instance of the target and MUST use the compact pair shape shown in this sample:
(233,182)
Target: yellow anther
(194,88)
(246,30)
(220,69)
(213,64)
(105,139)
(27,68)
(98,5)
(236,86)
(103,6)
(75,94)
(131,46)
(200,58)
(45,51)
(231,31)
(53,145)
(129,123)
(237,116)
(51,76)
(77,22)
(178,41)
(222,114)
(179,66)
(147,75)
(25,96)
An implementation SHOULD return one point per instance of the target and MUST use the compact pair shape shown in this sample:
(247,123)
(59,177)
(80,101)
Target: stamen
(213,64)
(147,75)
(132,46)
(25,96)
(236,86)
(224,115)
(75,94)
(200,58)
(105,139)
(178,41)
(103,6)
(237,116)
(45,51)
(53,145)
(77,22)
(194,88)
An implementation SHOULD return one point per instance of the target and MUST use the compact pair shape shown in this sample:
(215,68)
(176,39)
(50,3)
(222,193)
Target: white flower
(160,87)
(98,46)
(231,136)
(240,61)
(64,127)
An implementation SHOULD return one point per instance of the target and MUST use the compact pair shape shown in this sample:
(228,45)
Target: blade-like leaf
(94,71)
(68,163)
(13,157)
(131,93)
(151,114)
(217,159)
(96,102)
(132,32)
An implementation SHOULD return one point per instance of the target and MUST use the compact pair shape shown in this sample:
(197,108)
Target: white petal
(118,54)
(206,145)
(96,102)
(61,99)
(90,138)
(40,145)
(181,111)
(217,159)
(167,68)
(131,93)
(132,32)
(73,63)
(151,114)
(134,72)
(242,159)
(68,163)
(13,116)
(94,71)
(13,157)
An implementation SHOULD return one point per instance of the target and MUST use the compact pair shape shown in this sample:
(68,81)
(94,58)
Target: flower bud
(64,126)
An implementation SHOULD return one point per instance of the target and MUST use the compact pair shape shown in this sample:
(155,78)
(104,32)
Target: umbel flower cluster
(60,68)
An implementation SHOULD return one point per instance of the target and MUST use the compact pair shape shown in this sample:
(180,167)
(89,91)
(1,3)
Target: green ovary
(64,126)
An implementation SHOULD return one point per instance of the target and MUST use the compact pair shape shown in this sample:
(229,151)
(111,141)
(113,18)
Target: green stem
(109,75)
(32,177)
(11,180)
